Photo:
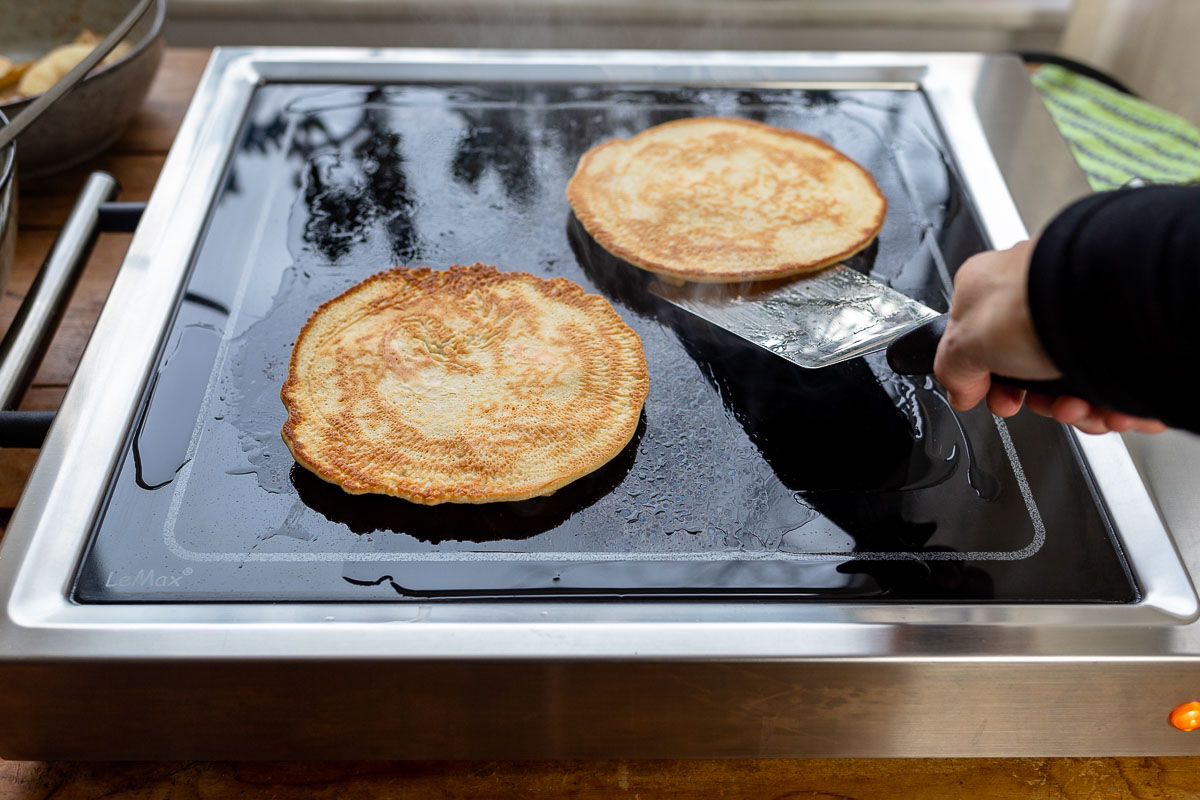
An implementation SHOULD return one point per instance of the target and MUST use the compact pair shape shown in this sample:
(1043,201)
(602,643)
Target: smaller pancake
(466,385)
(716,200)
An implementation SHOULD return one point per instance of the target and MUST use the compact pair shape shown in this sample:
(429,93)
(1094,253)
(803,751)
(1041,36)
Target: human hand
(990,331)
(1089,418)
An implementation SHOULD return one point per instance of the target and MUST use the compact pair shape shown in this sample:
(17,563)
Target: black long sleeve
(1114,290)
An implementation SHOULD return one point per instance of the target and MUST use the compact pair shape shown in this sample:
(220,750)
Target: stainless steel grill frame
(477,679)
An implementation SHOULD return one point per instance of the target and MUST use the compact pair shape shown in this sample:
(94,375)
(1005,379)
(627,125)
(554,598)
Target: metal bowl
(97,110)
(8,209)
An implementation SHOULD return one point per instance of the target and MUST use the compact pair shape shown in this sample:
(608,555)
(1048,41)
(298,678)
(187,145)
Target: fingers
(1079,413)
(1102,420)
(1004,401)
(1125,422)
(1071,410)
(1089,418)
(1040,404)
(1093,425)
(1116,421)
(965,383)
(968,393)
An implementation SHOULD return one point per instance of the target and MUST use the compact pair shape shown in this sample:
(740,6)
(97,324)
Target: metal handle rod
(24,428)
(52,95)
(31,330)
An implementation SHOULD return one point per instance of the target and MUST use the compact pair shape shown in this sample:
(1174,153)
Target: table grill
(782,562)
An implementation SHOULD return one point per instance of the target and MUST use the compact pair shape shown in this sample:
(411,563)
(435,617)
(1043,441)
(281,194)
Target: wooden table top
(135,161)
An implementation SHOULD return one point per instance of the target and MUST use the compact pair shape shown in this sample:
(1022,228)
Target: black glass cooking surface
(747,476)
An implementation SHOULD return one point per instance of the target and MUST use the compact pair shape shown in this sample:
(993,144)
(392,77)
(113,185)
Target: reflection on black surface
(616,580)
(337,207)
(824,429)
(260,138)
(816,427)
(626,114)
(160,445)
(833,434)
(616,279)
(820,98)
(264,137)
(494,139)
(926,579)
(864,260)
(206,302)
(487,522)
(362,182)
(752,106)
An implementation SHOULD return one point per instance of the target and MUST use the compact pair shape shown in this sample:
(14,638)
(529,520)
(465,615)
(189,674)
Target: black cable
(1040,57)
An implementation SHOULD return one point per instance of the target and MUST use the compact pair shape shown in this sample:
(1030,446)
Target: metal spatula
(830,316)
(813,321)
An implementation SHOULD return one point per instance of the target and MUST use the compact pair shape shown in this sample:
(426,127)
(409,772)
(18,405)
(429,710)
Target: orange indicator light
(1186,716)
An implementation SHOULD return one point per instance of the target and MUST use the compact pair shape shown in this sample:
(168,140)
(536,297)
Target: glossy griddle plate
(747,477)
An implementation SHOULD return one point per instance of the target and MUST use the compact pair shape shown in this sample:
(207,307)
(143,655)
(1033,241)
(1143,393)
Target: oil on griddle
(747,475)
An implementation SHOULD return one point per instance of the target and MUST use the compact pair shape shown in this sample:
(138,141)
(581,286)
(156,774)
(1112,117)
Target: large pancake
(718,200)
(467,385)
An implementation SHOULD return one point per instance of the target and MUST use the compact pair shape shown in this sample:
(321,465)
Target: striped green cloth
(1116,137)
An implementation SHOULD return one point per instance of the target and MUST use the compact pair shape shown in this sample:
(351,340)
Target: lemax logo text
(147,578)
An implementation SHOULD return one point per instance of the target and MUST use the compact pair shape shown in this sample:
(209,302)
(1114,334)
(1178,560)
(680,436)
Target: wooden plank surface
(817,779)
(135,161)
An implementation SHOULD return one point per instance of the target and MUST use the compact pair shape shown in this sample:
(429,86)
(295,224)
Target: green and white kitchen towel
(1116,137)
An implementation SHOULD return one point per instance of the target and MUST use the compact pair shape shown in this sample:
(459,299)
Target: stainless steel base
(501,710)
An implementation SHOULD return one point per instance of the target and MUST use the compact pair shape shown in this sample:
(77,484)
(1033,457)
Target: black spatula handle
(912,354)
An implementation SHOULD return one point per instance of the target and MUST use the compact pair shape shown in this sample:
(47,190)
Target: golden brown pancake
(467,385)
(717,200)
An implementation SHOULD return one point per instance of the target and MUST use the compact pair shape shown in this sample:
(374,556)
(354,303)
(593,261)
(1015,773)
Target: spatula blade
(813,321)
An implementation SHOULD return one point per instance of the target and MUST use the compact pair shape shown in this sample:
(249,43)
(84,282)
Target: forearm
(1113,285)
